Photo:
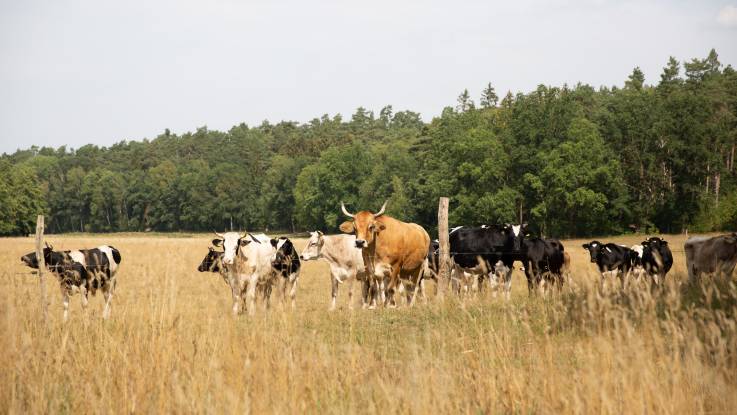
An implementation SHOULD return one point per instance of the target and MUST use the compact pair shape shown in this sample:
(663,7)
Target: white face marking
(230,243)
(638,249)
(594,245)
(516,229)
(280,244)
(484,226)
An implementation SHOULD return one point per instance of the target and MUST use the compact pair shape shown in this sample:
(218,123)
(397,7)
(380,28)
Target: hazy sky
(77,72)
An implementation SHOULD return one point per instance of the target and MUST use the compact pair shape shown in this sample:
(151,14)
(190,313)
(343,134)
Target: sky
(79,72)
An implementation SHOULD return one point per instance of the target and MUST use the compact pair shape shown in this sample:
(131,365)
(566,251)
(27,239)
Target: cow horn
(219,235)
(345,211)
(381,211)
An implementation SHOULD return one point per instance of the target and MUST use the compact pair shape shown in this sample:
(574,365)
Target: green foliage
(571,160)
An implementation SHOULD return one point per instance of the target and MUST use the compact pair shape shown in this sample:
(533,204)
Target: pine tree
(465,102)
(489,98)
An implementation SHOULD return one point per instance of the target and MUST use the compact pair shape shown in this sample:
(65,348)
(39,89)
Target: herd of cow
(388,256)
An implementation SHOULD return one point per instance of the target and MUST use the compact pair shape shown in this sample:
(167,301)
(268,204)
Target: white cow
(247,260)
(345,260)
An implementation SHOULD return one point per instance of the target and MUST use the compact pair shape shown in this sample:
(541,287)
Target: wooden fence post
(444,265)
(41,265)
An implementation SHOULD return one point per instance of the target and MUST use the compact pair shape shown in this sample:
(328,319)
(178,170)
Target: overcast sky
(78,72)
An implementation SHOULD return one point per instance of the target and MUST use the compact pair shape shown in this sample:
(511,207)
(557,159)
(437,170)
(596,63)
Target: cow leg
(236,289)
(508,281)
(107,290)
(293,289)
(83,294)
(333,291)
(251,294)
(65,301)
(351,279)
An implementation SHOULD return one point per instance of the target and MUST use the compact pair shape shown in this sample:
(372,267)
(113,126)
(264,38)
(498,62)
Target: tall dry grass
(172,345)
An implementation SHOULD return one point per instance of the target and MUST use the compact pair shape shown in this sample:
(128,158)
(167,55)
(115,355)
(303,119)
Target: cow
(345,261)
(716,255)
(247,261)
(213,262)
(544,261)
(392,250)
(285,261)
(610,258)
(657,258)
(83,271)
(478,250)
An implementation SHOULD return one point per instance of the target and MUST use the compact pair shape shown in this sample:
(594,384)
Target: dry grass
(172,345)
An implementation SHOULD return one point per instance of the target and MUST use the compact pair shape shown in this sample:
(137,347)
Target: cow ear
(347,227)
(664,243)
(380,226)
(274,242)
(217,242)
(585,246)
(319,233)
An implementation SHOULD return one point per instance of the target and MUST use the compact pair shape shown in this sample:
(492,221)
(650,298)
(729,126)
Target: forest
(572,160)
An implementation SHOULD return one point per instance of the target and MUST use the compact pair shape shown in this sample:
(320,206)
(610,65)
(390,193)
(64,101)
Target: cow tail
(116,255)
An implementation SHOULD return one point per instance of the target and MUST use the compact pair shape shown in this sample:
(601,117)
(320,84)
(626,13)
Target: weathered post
(41,264)
(444,260)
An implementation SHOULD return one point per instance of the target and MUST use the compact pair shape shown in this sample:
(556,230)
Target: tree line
(572,160)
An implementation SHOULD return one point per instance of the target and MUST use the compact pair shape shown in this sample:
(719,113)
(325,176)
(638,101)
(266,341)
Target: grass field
(172,344)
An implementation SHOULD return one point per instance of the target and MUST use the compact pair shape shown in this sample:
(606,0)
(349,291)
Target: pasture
(172,344)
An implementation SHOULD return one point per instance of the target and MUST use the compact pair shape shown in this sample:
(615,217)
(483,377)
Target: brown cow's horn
(381,212)
(345,211)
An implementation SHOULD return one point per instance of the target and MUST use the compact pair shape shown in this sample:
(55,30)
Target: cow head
(314,246)
(211,262)
(655,243)
(283,251)
(364,224)
(31,260)
(232,243)
(594,248)
(515,236)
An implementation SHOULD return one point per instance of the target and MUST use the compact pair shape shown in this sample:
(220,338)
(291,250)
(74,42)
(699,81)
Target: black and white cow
(477,251)
(213,262)
(657,257)
(612,259)
(285,262)
(544,261)
(716,255)
(247,261)
(83,271)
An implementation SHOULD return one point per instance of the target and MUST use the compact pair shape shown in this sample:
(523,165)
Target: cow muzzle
(360,243)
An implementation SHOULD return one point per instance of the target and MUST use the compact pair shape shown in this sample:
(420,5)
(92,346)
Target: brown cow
(392,250)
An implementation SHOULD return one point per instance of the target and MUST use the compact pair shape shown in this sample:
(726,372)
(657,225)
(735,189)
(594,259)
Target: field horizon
(172,345)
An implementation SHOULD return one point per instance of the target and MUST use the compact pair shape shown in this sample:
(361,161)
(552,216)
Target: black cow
(610,258)
(83,270)
(544,258)
(478,250)
(717,255)
(657,259)
(285,262)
